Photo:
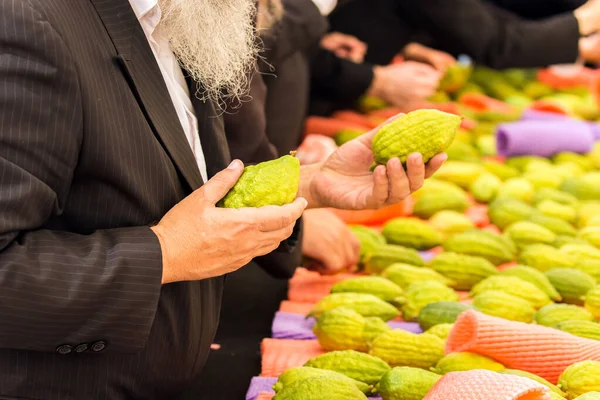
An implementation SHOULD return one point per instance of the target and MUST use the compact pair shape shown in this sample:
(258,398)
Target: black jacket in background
(488,34)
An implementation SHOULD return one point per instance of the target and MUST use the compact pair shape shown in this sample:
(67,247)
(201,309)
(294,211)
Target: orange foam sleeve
(279,355)
(295,308)
(543,351)
(265,396)
(310,287)
(486,385)
(376,217)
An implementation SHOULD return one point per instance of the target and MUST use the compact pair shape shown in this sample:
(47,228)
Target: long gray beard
(215,42)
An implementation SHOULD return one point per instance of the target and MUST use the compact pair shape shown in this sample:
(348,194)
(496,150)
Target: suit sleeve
(58,287)
(493,37)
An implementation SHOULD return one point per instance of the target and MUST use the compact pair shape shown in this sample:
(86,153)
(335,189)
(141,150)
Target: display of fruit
(553,224)
(270,183)
(411,232)
(404,349)
(427,132)
(524,233)
(366,305)
(442,312)
(455,362)
(553,314)
(380,258)
(353,364)
(464,271)
(543,257)
(406,383)
(584,329)
(377,286)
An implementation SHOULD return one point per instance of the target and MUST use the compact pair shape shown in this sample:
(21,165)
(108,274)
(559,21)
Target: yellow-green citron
(525,233)
(406,383)
(506,211)
(556,196)
(442,330)
(592,301)
(556,225)
(428,132)
(591,234)
(485,188)
(580,378)
(346,135)
(584,329)
(543,257)
(420,294)
(449,222)
(366,305)
(353,364)
(404,349)
(381,257)
(460,173)
(464,270)
(375,285)
(518,189)
(572,284)
(554,209)
(553,314)
(411,232)
(535,277)
(553,388)
(368,238)
(271,183)
(442,312)
(345,329)
(405,275)
(296,374)
(581,252)
(319,388)
(514,286)
(495,248)
(504,305)
(589,396)
(464,361)
(502,171)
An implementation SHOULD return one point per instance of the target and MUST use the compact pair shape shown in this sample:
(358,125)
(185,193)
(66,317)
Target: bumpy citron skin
(442,330)
(584,329)
(428,132)
(359,366)
(589,396)
(381,257)
(553,314)
(383,288)
(592,301)
(320,387)
(411,232)
(572,284)
(420,294)
(271,183)
(442,312)
(455,362)
(513,286)
(341,329)
(366,305)
(404,349)
(580,378)
(406,383)
(495,248)
(535,277)
(503,305)
(465,271)
(293,375)
(543,257)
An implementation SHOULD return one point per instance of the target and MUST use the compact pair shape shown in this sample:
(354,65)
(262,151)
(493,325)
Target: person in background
(486,32)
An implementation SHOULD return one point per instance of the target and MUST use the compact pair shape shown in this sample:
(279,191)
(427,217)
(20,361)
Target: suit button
(64,349)
(81,348)
(99,346)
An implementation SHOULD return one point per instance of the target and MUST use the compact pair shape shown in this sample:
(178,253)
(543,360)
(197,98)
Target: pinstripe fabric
(91,152)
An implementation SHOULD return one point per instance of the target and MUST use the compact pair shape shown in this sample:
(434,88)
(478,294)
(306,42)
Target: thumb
(218,186)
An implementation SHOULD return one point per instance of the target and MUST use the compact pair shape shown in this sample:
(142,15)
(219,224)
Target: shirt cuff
(325,6)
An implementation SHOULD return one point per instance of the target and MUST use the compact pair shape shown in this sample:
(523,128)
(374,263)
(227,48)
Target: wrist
(305,189)
(588,20)
(377,87)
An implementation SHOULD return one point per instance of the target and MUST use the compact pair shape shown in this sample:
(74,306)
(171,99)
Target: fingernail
(235,164)
(304,202)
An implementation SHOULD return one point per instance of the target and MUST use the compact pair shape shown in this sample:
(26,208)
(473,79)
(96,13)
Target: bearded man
(112,158)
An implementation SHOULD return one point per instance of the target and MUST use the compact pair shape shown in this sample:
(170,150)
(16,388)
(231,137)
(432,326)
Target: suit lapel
(212,132)
(143,74)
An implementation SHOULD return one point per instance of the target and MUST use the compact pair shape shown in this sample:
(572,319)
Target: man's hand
(439,60)
(345,46)
(588,17)
(589,48)
(406,84)
(345,181)
(328,240)
(200,241)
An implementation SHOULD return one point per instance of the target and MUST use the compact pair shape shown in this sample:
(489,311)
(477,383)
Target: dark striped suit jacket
(91,154)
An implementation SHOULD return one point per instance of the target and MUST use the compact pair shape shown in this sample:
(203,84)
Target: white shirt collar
(142,7)
(148,13)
